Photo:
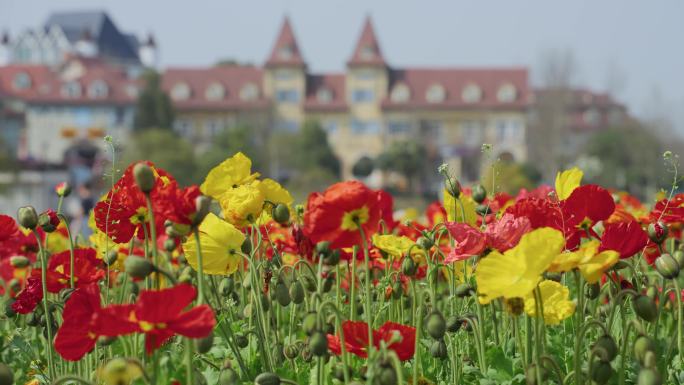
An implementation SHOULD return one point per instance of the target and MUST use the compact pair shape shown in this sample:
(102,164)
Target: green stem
(200,269)
(46,308)
(368,311)
(153,235)
(72,282)
(680,319)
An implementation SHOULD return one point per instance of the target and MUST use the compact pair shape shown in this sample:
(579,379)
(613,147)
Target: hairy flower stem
(46,307)
(368,311)
(153,235)
(578,335)
(200,269)
(189,370)
(680,320)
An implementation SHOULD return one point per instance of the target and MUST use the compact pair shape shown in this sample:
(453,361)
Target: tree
(312,150)
(407,158)
(167,150)
(363,167)
(509,177)
(153,108)
(227,143)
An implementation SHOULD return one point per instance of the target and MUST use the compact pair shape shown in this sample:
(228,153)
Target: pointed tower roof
(285,50)
(367,50)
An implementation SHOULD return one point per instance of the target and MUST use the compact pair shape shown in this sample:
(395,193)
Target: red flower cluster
(400,338)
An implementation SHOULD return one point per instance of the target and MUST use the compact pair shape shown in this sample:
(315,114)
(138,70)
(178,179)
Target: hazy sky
(639,42)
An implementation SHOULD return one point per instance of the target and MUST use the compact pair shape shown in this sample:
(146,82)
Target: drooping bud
(144,177)
(642,345)
(436,325)
(281,213)
(318,343)
(19,261)
(267,378)
(203,345)
(425,243)
(679,257)
(297,292)
(479,193)
(483,209)
(246,247)
(649,376)
(48,220)
(282,294)
(138,267)
(27,217)
(592,290)
(63,189)
(607,343)
(309,323)
(228,376)
(453,324)
(601,372)
(645,308)
(6,375)
(453,187)
(202,208)
(667,266)
(657,232)
(438,349)
(226,286)
(241,341)
(408,266)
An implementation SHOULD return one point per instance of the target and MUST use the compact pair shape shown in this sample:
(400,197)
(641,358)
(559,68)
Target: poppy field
(233,282)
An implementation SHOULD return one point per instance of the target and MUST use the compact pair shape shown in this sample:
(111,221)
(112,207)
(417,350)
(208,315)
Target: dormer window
(472,93)
(249,92)
(435,94)
(324,95)
(22,81)
(215,92)
(71,90)
(180,91)
(286,52)
(131,91)
(400,93)
(98,89)
(367,52)
(507,93)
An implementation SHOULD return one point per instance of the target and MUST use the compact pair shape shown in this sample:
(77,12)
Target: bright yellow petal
(232,172)
(555,301)
(593,268)
(274,192)
(220,241)
(243,204)
(393,244)
(454,212)
(567,181)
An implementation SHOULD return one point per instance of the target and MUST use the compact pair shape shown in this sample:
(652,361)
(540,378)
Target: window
(365,127)
(364,74)
(284,74)
(71,90)
(507,93)
(363,95)
(98,89)
(180,91)
(508,130)
(213,127)
(22,81)
(249,92)
(472,93)
(471,131)
(398,127)
(324,95)
(183,127)
(330,126)
(215,92)
(435,94)
(287,126)
(119,116)
(400,93)
(287,96)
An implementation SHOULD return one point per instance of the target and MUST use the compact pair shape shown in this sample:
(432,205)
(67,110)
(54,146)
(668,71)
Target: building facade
(365,108)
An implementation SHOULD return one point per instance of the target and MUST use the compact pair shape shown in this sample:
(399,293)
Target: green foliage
(312,150)
(167,150)
(508,177)
(230,141)
(153,108)
(407,158)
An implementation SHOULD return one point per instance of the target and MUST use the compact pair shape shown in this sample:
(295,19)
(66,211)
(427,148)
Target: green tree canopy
(227,143)
(407,158)
(312,150)
(153,108)
(167,150)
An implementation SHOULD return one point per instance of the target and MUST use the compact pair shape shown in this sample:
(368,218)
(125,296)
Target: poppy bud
(424,242)
(408,266)
(318,343)
(280,213)
(111,257)
(202,207)
(645,308)
(309,323)
(138,267)
(592,290)
(6,375)
(27,217)
(282,294)
(309,282)
(267,378)
(203,345)
(531,374)
(228,377)
(63,189)
(19,261)
(483,209)
(247,311)
(453,324)
(241,341)
(436,325)
(657,232)
(642,345)
(679,257)
(667,266)
(607,343)
(397,290)
(453,187)
(144,177)
(463,290)
(265,302)
(601,372)
(9,312)
(48,221)
(297,292)
(291,351)
(226,286)
(515,305)
(328,283)
(479,193)
(387,376)
(169,245)
(649,360)
(438,349)
(649,376)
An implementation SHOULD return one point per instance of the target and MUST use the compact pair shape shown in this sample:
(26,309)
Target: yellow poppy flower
(453,209)
(555,301)
(393,244)
(274,192)
(120,371)
(232,172)
(220,242)
(517,272)
(587,259)
(242,205)
(567,181)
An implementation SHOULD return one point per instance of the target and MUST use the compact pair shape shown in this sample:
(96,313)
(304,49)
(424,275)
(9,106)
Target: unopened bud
(667,266)
(6,375)
(267,378)
(138,267)
(281,213)
(144,177)
(63,189)
(645,308)
(19,261)
(202,207)
(203,345)
(27,217)
(657,232)
(48,221)
(479,193)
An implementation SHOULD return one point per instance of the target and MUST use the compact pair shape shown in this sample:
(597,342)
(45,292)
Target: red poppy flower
(76,337)
(336,214)
(8,227)
(182,207)
(124,213)
(540,212)
(158,314)
(671,211)
(52,220)
(587,205)
(468,241)
(505,233)
(627,238)
(29,298)
(356,339)
(435,213)
(87,269)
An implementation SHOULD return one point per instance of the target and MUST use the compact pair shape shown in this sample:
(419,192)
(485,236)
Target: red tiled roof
(454,81)
(582,97)
(286,42)
(367,50)
(232,77)
(334,83)
(46,85)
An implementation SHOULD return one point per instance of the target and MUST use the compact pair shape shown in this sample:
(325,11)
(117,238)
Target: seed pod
(608,344)
(657,232)
(479,193)
(645,308)
(463,290)
(226,286)
(438,349)
(203,345)
(241,341)
(6,375)
(436,325)
(649,376)
(667,266)
(228,377)
(144,177)
(282,294)
(138,267)
(592,290)
(601,372)
(267,378)
(297,292)
(408,266)
(309,323)
(642,345)
(318,344)
(280,213)
(386,376)
(27,217)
